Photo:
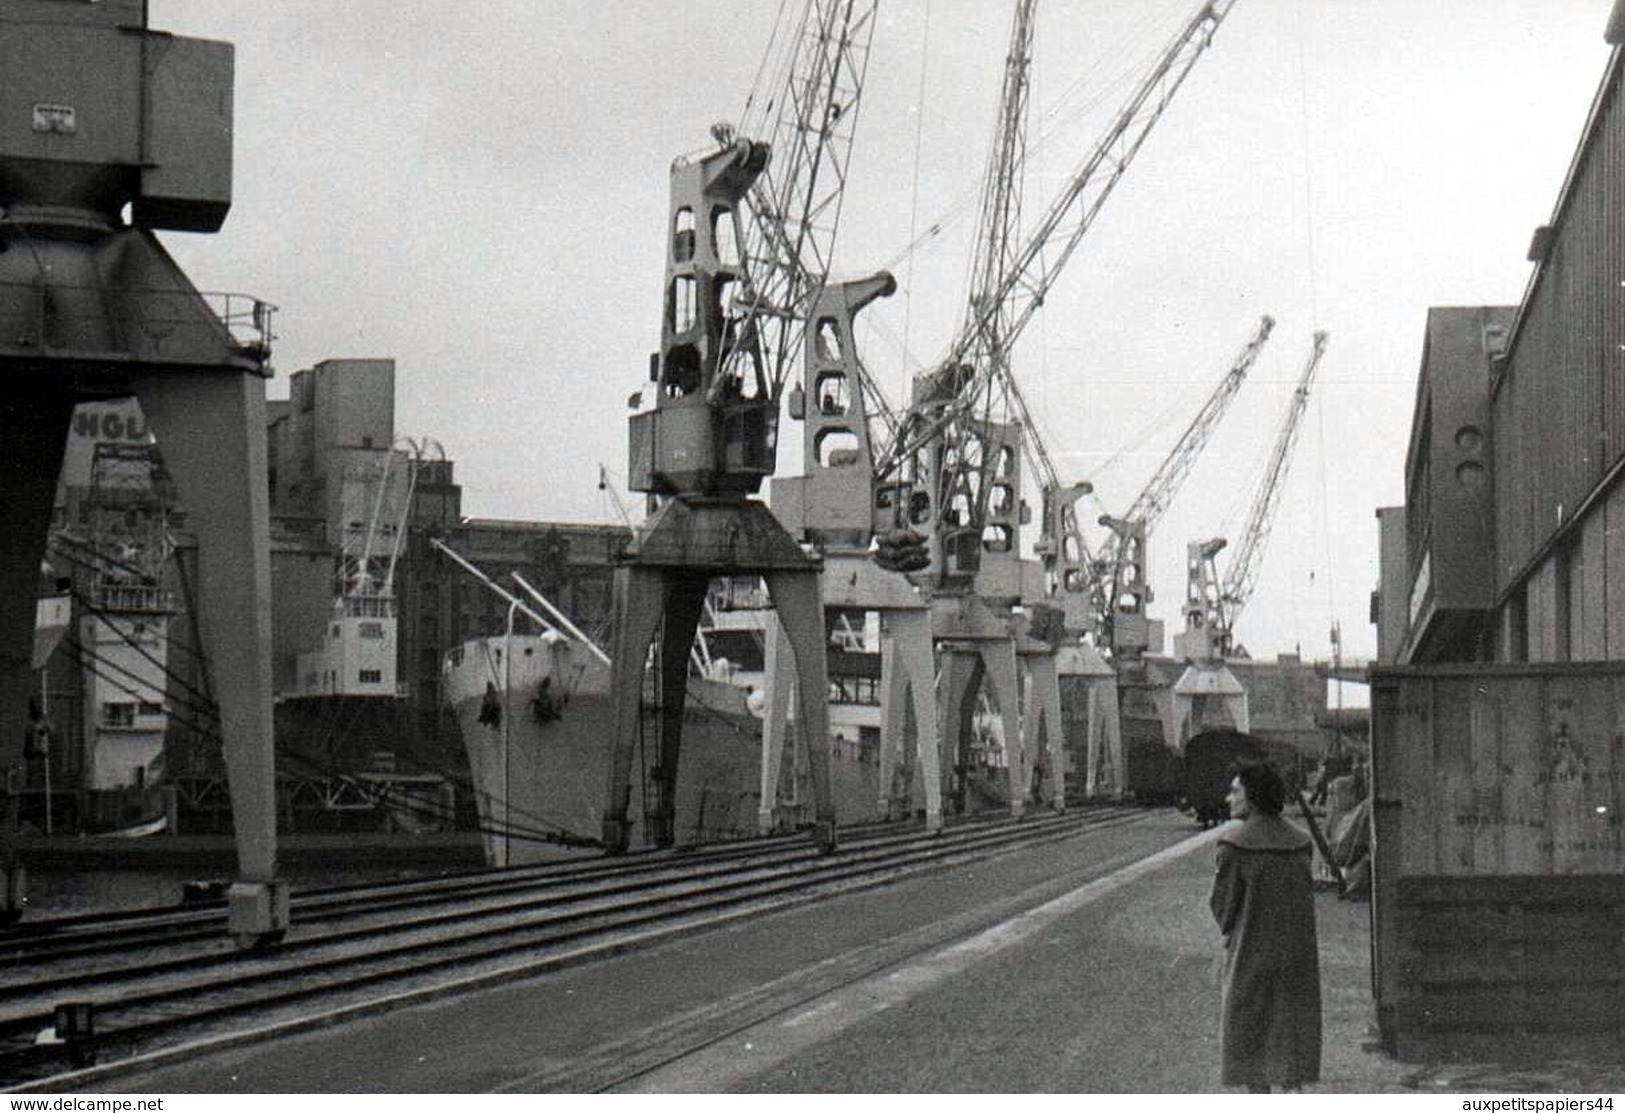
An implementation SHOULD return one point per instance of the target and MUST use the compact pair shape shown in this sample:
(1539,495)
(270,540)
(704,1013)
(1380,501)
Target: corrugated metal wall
(1560,409)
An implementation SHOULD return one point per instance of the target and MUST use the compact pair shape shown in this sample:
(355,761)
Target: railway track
(154,983)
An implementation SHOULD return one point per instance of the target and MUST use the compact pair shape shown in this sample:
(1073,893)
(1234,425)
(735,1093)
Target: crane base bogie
(1135,634)
(660,590)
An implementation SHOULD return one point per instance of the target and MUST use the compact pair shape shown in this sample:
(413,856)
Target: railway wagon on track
(1153,773)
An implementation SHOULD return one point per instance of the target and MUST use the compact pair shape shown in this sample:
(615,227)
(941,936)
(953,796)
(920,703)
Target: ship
(350,745)
(103,772)
(537,722)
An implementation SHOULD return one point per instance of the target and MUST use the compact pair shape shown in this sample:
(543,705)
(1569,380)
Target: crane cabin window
(681,304)
(1002,499)
(739,370)
(680,375)
(725,236)
(834,398)
(682,235)
(1128,599)
(1006,462)
(828,336)
(719,306)
(838,448)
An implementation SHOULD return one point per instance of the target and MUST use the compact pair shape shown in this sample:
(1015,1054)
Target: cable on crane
(1314,311)
(746,122)
(914,190)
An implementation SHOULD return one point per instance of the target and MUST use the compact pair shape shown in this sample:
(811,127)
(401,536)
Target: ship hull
(540,766)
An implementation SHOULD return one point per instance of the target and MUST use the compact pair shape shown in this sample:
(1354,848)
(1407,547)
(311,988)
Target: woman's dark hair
(1266,792)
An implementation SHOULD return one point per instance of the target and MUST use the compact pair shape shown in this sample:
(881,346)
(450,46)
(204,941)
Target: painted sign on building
(119,421)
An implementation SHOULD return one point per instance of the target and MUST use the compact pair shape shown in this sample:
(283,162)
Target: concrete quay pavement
(1084,966)
(1105,989)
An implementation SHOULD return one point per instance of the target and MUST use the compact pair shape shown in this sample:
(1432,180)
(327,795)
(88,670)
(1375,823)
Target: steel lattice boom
(1123,558)
(1212,606)
(1161,488)
(969,423)
(1034,268)
(1243,574)
(795,204)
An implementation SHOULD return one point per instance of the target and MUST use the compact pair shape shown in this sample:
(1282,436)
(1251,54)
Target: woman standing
(1265,906)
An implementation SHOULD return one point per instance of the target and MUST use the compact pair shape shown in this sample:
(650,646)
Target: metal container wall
(1559,406)
(1499,859)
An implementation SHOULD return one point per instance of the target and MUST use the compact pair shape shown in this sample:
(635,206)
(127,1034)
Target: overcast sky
(478,191)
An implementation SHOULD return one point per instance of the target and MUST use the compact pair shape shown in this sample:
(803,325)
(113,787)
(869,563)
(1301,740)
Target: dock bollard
(76,1028)
(13,892)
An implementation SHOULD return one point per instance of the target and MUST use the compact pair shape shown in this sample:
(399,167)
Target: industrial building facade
(1514,523)
(327,444)
(1498,706)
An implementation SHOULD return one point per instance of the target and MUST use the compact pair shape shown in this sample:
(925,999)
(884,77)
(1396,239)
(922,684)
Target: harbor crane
(844,503)
(964,394)
(1212,605)
(954,452)
(750,231)
(1123,558)
(953,473)
(95,308)
(939,498)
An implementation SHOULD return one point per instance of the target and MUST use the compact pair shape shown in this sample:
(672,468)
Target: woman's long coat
(1264,902)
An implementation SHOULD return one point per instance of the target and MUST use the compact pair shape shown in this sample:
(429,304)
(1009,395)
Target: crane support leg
(797,598)
(1105,776)
(685,602)
(961,673)
(999,664)
(1043,718)
(641,597)
(908,676)
(896,779)
(32,434)
(211,424)
(777,690)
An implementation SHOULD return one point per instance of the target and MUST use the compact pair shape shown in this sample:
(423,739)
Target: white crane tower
(1212,606)
(1126,630)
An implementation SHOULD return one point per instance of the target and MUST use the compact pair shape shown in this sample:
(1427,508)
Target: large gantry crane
(130,133)
(953,471)
(749,238)
(837,502)
(1212,606)
(947,403)
(940,495)
(1123,558)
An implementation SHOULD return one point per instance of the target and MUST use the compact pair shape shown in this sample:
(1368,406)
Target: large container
(1499,859)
